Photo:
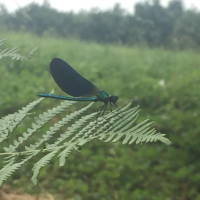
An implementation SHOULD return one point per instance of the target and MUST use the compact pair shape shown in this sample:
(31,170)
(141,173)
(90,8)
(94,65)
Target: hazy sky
(76,5)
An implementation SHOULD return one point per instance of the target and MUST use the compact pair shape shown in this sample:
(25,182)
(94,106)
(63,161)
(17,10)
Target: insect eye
(114,99)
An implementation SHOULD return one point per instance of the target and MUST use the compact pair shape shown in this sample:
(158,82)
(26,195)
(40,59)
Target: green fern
(81,129)
(13,53)
(10,122)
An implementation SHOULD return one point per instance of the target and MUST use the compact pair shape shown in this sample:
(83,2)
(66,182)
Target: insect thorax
(103,95)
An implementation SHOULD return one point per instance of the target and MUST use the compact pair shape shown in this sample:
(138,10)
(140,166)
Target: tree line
(151,24)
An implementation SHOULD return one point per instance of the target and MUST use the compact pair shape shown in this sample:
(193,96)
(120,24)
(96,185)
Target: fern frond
(55,128)
(41,163)
(10,168)
(114,127)
(65,153)
(74,127)
(39,122)
(13,53)
(31,53)
(3,41)
(113,131)
(45,117)
(10,122)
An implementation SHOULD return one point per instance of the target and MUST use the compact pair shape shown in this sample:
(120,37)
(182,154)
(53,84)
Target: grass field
(166,86)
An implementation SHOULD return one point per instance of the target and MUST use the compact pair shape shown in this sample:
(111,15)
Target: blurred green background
(163,77)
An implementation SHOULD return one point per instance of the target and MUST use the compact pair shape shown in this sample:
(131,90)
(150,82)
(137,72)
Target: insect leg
(117,108)
(100,110)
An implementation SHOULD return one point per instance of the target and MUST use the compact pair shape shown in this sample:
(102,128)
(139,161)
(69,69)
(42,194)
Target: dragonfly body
(102,96)
(72,83)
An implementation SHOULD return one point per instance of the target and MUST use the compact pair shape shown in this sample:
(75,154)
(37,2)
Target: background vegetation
(165,83)
(151,24)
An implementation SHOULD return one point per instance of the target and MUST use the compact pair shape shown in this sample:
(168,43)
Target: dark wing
(70,81)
